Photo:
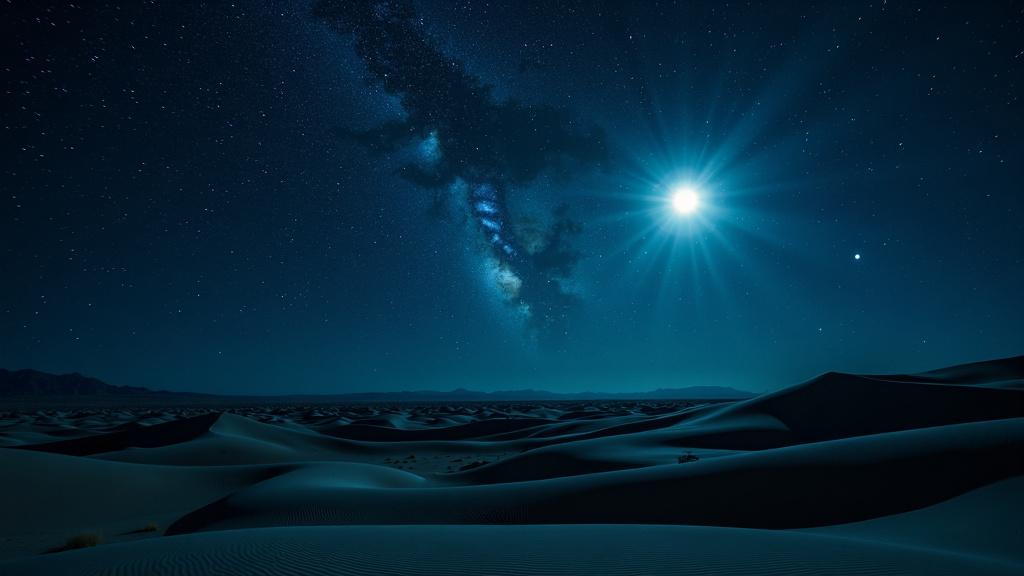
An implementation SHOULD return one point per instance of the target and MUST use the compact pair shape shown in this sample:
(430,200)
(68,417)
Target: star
(685,200)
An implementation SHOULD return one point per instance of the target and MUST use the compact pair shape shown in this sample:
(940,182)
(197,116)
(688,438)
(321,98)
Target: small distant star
(856,256)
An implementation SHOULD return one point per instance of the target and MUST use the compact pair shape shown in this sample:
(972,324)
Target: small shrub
(150,527)
(688,457)
(83,540)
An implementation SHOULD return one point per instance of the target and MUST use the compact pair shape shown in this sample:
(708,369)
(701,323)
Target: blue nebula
(430,149)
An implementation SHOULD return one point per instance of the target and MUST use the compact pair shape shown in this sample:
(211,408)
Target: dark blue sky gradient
(205,197)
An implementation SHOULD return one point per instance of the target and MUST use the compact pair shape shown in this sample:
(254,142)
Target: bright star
(685,200)
(856,256)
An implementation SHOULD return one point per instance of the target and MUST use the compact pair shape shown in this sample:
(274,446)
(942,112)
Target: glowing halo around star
(698,199)
(685,200)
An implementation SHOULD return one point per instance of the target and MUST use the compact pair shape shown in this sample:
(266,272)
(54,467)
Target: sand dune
(984,523)
(807,485)
(843,474)
(841,405)
(512,550)
(48,497)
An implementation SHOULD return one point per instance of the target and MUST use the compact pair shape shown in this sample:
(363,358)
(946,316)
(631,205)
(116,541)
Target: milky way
(472,143)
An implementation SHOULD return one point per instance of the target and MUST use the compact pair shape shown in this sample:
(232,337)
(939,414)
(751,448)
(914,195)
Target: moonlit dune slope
(843,474)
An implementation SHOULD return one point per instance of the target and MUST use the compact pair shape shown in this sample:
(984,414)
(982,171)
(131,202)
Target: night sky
(279,197)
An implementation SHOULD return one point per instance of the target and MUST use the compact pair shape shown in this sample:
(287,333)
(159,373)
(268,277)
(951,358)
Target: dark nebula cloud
(476,147)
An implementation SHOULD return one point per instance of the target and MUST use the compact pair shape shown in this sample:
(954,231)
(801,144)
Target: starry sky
(342,195)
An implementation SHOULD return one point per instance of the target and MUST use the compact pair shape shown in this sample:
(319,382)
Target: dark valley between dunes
(842,474)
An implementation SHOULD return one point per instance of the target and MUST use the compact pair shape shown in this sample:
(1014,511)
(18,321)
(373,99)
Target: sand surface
(843,474)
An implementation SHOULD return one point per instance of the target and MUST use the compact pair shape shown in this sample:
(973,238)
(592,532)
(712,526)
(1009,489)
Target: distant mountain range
(28,384)
(36,383)
(461,394)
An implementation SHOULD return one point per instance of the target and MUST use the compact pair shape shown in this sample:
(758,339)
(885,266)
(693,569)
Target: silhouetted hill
(463,395)
(24,384)
(30,385)
(36,383)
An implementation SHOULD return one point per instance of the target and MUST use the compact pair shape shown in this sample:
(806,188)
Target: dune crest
(840,474)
